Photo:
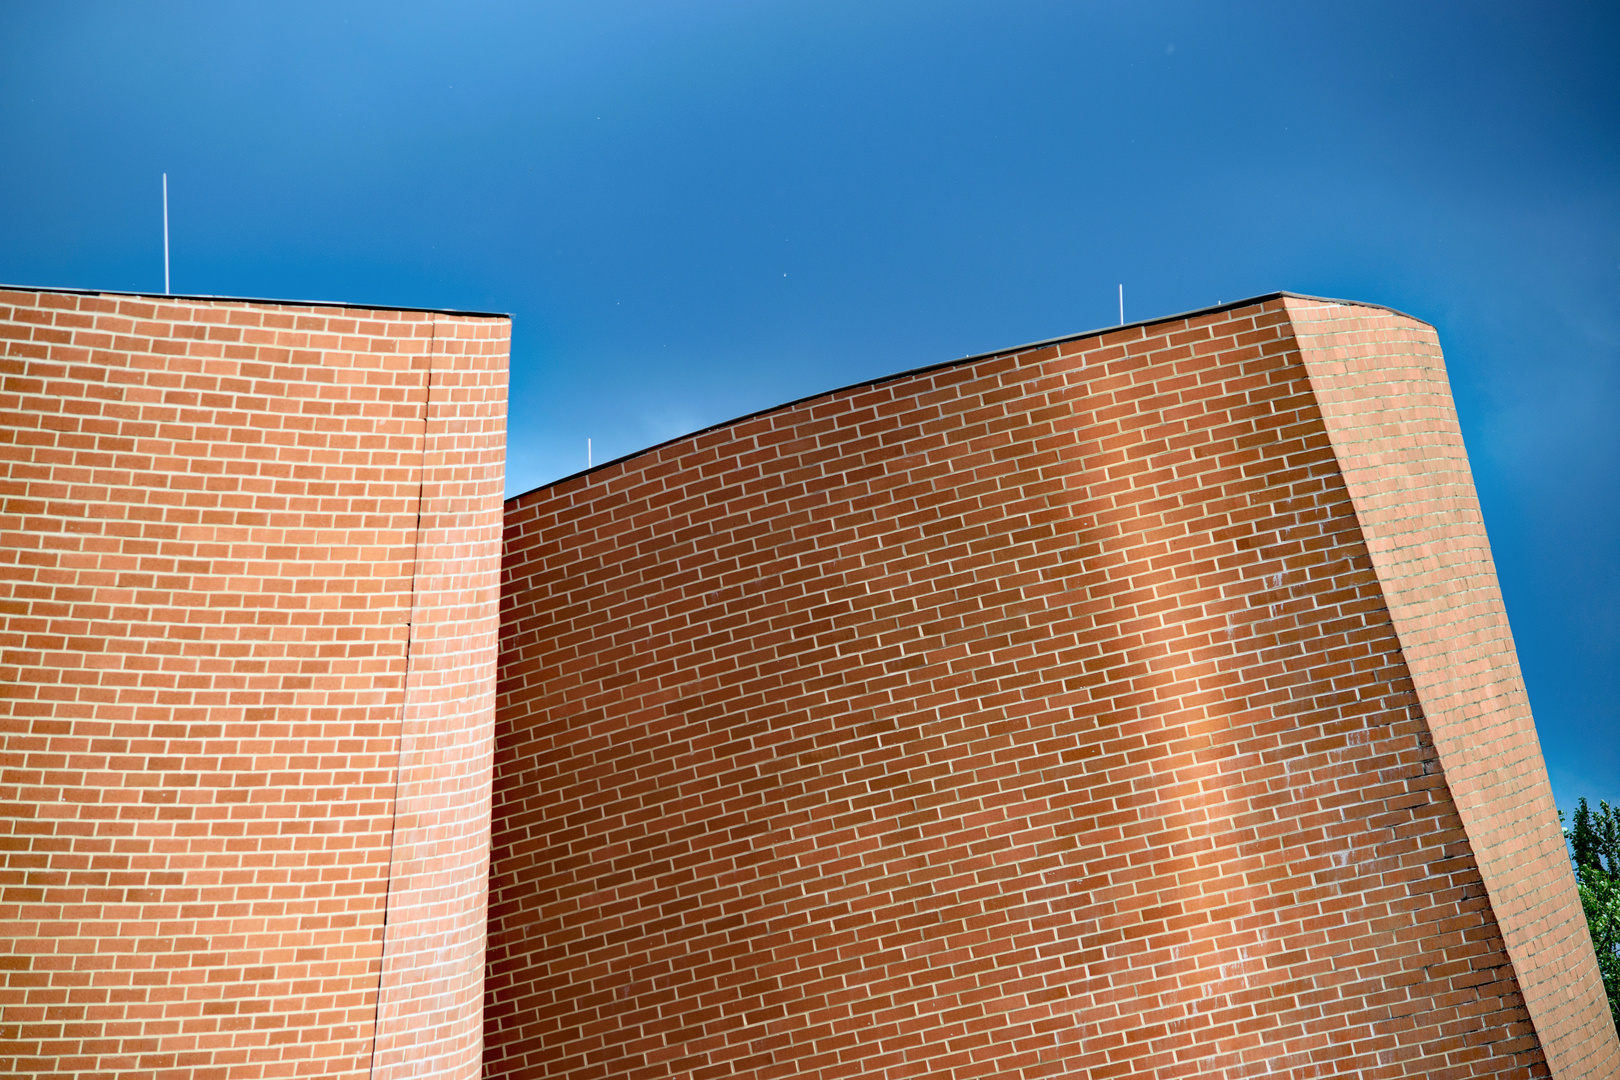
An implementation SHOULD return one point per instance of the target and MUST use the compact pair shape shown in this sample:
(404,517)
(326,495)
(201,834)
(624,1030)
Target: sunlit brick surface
(1383,391)
(218,521)
(1039,715)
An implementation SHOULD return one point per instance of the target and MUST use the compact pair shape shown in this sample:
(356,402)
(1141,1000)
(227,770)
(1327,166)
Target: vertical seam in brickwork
(405,695)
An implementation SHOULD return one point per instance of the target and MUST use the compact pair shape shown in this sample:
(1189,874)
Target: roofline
(927,368)
(253,300)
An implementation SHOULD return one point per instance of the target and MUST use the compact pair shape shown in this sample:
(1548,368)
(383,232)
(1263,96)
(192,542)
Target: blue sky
(696,210)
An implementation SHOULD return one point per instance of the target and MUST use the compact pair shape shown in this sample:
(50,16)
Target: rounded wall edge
(1381,382)
(430,1010)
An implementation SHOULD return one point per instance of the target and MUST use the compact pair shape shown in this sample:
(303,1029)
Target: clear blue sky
(693,210)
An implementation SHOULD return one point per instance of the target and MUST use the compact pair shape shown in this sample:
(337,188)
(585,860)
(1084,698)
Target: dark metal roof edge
(253,300)
(926,368)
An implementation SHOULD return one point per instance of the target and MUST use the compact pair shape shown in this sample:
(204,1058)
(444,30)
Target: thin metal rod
(1122,304)
(165,234)
(587,453)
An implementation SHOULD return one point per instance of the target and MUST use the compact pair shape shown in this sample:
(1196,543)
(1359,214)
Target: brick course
(246,571)
(1035,715)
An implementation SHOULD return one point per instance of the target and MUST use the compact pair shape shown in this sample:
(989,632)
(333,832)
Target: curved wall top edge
(1061,339)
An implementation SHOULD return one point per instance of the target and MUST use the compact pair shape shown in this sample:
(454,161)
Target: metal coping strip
(160,297)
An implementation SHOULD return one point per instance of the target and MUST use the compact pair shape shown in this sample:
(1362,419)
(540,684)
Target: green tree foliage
(1594,840)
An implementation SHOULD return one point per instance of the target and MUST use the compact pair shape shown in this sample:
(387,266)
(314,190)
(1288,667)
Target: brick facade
(1078,710)
(247,600)
(1135,704)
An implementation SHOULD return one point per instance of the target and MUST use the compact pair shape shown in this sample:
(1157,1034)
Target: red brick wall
(1381,382)
(1038,715)
(223,648)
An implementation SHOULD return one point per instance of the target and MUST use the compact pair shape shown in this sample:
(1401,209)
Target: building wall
(246,604)
(1035,715)
(1138,704)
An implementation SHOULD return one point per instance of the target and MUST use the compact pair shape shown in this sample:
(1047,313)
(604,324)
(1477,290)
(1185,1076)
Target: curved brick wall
(1035,715)
(247,601)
